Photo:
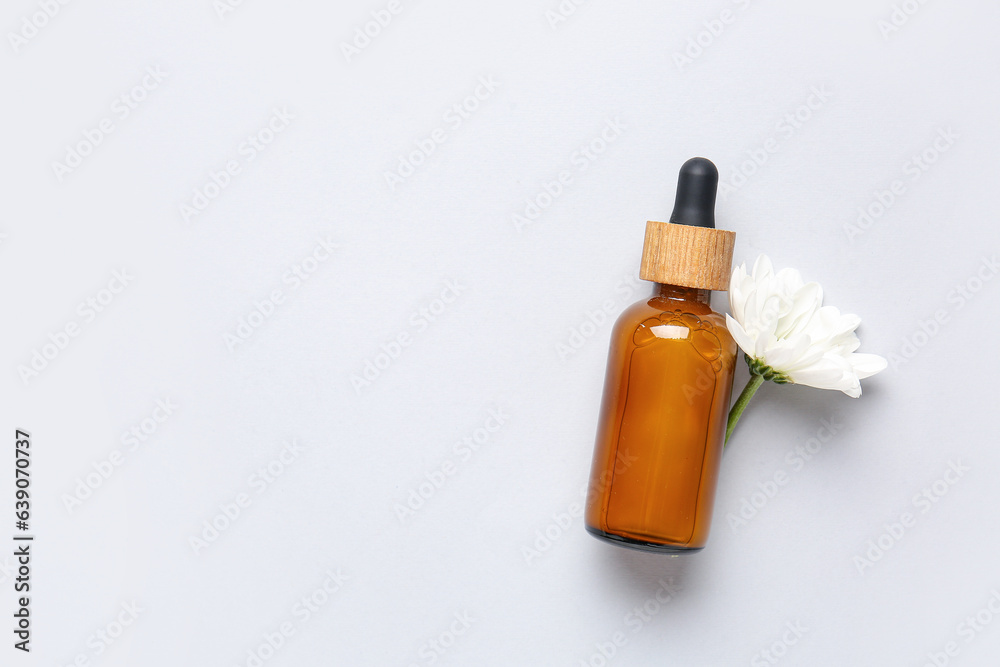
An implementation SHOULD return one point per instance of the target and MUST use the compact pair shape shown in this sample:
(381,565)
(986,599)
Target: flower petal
(742,338)
(804,302)
(762,268)
(830,373)
(867,365)
(780,321)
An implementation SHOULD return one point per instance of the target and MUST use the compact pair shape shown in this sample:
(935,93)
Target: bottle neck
(679,293)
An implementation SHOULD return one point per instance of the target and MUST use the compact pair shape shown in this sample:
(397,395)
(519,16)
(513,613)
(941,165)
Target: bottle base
(649,547)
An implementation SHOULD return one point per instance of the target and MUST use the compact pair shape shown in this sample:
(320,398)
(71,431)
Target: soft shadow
(640,573)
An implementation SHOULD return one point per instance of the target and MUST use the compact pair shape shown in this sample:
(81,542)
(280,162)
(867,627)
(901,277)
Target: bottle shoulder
(661,321)
(690,313)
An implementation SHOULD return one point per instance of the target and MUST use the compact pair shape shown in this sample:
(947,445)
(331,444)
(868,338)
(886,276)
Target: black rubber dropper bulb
(696,187)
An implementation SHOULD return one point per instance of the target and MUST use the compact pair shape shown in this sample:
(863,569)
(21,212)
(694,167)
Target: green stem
(741,403)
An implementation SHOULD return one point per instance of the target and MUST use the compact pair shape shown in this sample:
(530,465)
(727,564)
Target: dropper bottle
(669,380)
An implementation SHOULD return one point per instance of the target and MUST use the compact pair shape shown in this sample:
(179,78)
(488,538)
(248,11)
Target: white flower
(790,336)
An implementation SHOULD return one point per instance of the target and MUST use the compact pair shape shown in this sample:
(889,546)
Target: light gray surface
(521,293)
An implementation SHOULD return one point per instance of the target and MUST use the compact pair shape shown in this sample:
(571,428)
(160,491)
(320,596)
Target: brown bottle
(669,378)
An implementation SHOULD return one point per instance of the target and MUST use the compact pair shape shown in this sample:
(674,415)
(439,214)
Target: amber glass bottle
(669,379)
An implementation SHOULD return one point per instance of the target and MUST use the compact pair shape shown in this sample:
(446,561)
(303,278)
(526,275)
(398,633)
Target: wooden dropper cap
(689,251)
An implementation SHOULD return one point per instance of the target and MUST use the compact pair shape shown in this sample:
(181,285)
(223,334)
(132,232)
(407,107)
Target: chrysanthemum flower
(789,336)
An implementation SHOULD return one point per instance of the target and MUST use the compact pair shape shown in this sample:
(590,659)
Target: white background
(523,292)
